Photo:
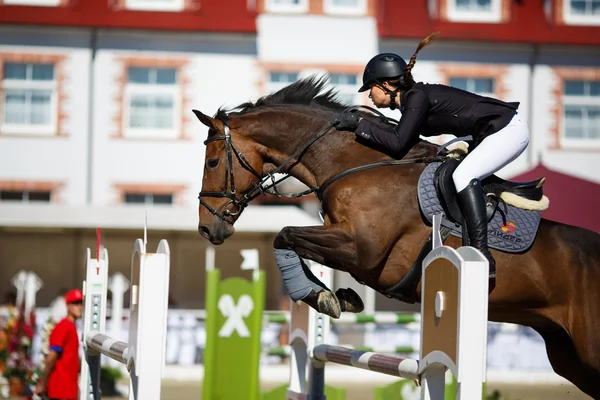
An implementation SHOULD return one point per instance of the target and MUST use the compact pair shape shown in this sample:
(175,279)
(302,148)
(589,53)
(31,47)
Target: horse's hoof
(349,300)
(329,304)
(324,302)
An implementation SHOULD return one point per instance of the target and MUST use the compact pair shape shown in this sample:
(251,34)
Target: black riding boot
(472,205)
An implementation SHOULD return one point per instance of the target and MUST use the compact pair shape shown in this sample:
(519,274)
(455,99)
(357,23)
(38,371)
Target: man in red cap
(61,371)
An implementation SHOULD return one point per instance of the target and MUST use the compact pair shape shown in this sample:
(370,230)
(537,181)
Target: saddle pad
(518,236)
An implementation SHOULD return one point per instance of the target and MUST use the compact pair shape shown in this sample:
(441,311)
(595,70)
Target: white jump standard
(454,313)
(144,354)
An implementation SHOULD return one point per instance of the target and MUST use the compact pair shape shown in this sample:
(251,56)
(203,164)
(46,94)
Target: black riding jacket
(431,110)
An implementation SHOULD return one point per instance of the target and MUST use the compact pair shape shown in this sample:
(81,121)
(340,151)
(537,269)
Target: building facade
(97,95)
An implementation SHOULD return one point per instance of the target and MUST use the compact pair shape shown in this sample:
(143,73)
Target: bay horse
(372,223)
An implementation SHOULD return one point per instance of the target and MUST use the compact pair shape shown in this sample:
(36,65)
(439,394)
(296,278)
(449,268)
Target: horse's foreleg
(328,245)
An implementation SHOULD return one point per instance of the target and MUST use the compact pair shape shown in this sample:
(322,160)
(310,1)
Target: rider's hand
(347,121)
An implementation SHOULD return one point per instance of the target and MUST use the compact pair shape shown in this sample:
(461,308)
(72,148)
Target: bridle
(259,188)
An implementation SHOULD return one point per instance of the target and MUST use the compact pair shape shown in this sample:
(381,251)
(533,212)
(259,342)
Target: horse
(373,228)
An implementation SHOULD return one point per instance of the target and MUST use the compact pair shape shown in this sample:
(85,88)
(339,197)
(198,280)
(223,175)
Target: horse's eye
(212,164)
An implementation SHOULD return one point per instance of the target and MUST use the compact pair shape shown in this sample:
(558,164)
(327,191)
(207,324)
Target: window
(279,80)
(29,96)
(155,5)
(582,12)
(151,102)
(290,6)
(25,196)
(39,3)
(475,10)
(481,86)
(345,7)
(148,198)
(581,112)
(347,87)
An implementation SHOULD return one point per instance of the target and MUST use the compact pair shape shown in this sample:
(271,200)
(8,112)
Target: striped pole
(285,351)
(385,364)
(351,319)
(377,318)
(108,346)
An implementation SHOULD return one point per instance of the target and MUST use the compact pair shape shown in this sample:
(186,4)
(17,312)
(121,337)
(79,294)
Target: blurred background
(96,127)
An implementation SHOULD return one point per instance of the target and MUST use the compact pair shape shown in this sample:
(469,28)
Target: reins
(268,182)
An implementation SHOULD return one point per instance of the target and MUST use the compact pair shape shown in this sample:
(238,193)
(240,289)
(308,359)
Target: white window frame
(26,196)
(474,78)
(166,5)
(495,15)
(329,7)
(132,89)
(149,199)
(272,6)
(39,3)
(571,100)
(576,19)
(345,89)
(273,87)
(19,84)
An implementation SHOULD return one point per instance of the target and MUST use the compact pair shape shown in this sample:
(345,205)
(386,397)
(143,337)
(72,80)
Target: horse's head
(232,168)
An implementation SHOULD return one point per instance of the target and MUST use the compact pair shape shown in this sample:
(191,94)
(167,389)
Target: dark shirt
(432,110)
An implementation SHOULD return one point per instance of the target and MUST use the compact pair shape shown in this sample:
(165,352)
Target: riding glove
(347,121)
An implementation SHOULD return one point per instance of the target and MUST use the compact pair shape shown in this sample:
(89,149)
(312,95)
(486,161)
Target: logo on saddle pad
(506,232)
(510,228)
(235,314)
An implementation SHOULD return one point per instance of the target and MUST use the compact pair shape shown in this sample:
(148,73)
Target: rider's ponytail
(408,78)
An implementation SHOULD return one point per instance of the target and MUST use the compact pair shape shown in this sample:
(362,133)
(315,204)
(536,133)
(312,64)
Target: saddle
(494,188)
(513,213)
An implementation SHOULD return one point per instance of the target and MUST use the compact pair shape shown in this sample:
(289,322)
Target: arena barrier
(454,311)
(144,353)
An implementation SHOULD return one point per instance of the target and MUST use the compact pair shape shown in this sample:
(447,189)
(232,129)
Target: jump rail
(454,307)
(144,354)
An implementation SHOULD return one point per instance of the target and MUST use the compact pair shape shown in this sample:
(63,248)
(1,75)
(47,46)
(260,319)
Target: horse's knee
(283,239)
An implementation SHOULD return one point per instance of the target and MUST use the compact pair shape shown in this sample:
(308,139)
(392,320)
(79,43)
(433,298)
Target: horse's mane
(310,91)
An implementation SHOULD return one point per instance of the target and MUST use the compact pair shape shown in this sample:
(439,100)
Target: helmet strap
(393,94)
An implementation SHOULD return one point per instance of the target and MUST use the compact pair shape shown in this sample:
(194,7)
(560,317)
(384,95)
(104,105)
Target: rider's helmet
(382,67)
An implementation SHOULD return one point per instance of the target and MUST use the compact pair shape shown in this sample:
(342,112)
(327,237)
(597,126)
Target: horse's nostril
(204,231)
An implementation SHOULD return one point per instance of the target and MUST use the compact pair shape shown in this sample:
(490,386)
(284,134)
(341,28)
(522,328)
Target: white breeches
(493,153)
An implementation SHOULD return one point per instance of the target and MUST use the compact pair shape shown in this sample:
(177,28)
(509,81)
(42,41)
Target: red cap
(74,296)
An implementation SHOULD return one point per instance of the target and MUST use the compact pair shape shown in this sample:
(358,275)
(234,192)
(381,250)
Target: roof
(573,201)
(418,18)
(231,16)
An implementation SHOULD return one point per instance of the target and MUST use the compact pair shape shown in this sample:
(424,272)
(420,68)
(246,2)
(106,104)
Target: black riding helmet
(383,66)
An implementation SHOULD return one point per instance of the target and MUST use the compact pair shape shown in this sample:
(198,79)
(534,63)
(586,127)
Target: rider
(499,133)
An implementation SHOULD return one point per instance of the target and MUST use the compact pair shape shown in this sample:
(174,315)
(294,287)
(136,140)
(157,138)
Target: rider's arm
(405,134)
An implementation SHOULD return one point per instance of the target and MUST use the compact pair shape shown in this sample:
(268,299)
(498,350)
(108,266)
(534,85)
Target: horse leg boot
(301,284)
(472,205)
(328,245)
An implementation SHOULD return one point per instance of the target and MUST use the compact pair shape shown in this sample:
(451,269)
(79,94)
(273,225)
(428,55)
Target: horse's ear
(211,123)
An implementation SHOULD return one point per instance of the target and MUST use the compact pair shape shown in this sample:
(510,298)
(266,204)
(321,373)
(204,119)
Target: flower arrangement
(3,351)
(15,346)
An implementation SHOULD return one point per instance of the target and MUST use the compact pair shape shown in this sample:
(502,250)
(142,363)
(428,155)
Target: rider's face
(379,98)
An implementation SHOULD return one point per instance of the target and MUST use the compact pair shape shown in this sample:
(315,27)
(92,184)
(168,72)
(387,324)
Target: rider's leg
(492,154)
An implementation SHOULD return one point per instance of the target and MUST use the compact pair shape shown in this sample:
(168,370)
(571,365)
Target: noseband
(242,202)
(259,187)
